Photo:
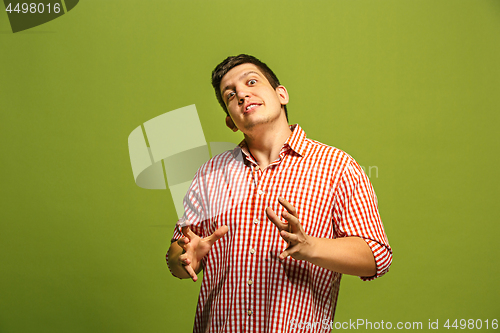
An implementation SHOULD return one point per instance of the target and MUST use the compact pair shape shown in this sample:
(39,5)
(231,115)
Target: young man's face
(250,99)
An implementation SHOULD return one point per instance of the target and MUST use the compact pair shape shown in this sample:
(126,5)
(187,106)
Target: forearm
(174,263)
(346,255)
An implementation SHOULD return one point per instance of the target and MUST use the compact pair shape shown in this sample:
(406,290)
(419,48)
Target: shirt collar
(296,142)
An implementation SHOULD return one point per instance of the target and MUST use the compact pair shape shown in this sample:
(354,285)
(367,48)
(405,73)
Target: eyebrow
(241,76)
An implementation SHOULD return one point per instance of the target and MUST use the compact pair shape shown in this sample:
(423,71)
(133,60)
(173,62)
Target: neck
(265,142)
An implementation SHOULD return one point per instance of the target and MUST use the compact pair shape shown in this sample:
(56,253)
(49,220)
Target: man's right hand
(194,249)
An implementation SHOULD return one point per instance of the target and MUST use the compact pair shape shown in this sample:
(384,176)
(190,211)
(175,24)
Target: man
(274,255)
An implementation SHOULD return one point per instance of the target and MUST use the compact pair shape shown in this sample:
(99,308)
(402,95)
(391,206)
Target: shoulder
(324,152)
(220,162)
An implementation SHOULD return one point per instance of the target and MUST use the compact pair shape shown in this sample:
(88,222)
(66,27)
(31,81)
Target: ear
(282,95)
(230,124)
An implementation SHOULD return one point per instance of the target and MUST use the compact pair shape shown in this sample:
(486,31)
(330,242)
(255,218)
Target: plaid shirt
(246,287)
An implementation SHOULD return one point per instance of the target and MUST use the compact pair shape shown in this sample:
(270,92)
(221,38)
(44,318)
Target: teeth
(251,105)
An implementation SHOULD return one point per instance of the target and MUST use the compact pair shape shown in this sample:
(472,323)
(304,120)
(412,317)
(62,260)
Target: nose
(242,93)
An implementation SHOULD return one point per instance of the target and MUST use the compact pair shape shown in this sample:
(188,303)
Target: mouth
(250,107)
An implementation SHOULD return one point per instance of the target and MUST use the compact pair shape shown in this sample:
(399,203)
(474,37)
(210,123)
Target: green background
(412,87)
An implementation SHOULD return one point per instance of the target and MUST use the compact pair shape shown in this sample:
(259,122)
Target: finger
(294,223)
(186,231)
(185,261)
(218,234)
(289,238)
(271,215)
(288,252)
(182,241)
(182,258)
(191,272)
(284,255)
(288,206)
(292,220)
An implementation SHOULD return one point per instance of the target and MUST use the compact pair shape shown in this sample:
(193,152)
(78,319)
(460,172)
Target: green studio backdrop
(408,88)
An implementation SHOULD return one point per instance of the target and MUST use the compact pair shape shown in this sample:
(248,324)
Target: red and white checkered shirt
(246,287)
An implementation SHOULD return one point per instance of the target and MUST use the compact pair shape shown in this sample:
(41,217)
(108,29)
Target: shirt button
(250,312)
(260,192)
(256,221)
(252,251)
(250,282)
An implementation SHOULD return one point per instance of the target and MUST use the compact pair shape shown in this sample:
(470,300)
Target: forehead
(239,72)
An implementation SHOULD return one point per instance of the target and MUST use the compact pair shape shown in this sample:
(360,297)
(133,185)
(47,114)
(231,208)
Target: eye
(230,95)
(252,81)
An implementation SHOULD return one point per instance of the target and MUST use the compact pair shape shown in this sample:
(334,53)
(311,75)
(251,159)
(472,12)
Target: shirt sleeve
(194,213)
(356,214)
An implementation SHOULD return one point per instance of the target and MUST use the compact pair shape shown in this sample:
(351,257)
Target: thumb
(218,234)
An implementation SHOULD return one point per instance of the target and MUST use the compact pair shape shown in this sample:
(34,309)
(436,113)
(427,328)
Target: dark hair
(233,61)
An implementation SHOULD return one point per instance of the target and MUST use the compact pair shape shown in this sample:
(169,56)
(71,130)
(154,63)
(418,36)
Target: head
(229,63)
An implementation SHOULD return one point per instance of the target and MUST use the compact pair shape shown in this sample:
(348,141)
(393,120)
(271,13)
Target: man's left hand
(300,244)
